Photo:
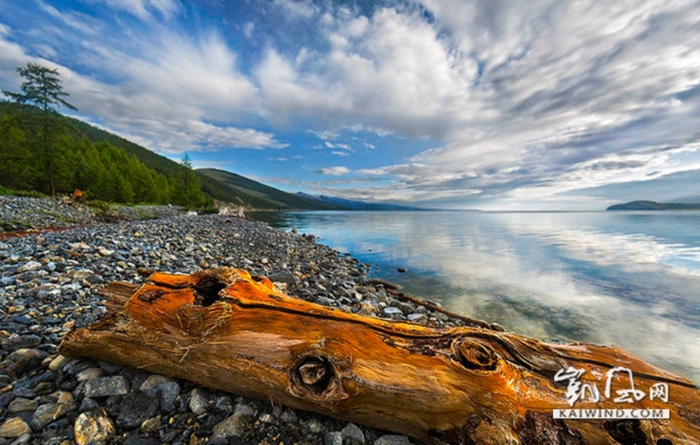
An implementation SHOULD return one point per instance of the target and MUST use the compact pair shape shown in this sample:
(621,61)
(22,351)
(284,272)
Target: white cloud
(143,9)
(334,171)
(248,29)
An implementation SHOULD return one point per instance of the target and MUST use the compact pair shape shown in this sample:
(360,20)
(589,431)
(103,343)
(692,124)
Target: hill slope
(260,195)
(653,205)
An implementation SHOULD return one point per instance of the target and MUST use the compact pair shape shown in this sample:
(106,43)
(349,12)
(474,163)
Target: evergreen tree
(42,88)
(15,159)
(187,190)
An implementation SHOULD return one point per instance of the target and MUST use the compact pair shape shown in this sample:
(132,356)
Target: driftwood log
(224,329)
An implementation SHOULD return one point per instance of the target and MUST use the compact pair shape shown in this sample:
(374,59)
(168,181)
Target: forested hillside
(102,165)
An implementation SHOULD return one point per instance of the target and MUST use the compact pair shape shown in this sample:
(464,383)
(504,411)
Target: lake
(630,279)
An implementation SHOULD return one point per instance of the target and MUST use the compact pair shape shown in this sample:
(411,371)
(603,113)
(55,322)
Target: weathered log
(224,329)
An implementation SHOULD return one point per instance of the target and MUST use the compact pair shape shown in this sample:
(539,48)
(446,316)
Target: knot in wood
(475,355)
(313,373)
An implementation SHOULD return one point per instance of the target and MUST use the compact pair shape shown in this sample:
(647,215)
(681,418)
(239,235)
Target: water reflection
(627,279)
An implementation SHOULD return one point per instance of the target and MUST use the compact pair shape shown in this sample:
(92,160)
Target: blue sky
(484,104)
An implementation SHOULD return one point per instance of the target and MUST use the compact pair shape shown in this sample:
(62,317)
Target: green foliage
(100,205)
(42,87)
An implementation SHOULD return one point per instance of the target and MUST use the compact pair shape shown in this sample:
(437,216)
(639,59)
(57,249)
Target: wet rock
(94,428)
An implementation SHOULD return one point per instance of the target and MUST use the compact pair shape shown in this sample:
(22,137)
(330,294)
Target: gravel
(48,286)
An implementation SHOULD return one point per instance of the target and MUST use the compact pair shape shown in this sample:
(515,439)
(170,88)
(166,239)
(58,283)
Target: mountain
(653,205)
(221,184)
(357,205)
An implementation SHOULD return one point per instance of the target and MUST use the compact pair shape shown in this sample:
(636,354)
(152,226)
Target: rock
(14,427)
(93,427)
(315,426)
(29,266)
(392,439)
(21,404)
(135,408)
(198,401)
(16,342)
(282,277)
(352,435)
(266,418)
(50,412)
(416,317)
(167,392)
(152,381)
(89,374)
(333,438)
(232,426)
(151,425)
(106,386)
(391,311)
(58,363)
(23,360)
(289,416)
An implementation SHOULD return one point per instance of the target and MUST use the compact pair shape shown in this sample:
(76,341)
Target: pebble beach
(48,286)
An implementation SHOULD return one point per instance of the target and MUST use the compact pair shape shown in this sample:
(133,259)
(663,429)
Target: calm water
(629,279)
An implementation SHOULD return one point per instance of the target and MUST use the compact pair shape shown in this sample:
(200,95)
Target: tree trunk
(224,329)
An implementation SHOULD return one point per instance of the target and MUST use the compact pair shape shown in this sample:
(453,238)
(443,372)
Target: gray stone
(135,408)
(233,426)
(267,418)
(289,416)
(333,438)
(392,311)
(315,426)
(166,392)
(417,317)
(392,439)
(152,381)
(16,342)
(198,401)
(88,374)
(93,427)
(106,386)
(352,435)
(21,404)
(282,277)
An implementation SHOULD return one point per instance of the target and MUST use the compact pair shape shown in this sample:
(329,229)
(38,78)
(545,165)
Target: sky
(463,104)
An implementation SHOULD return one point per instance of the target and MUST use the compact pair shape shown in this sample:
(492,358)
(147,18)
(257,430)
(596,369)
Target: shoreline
(49,285)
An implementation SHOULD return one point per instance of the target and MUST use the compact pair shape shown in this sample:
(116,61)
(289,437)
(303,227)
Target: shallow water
(630,279)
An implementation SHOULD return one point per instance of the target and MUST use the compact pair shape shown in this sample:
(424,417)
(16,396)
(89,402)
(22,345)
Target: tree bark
(224,329)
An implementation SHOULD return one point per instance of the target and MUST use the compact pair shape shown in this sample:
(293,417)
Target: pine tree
(42,88)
